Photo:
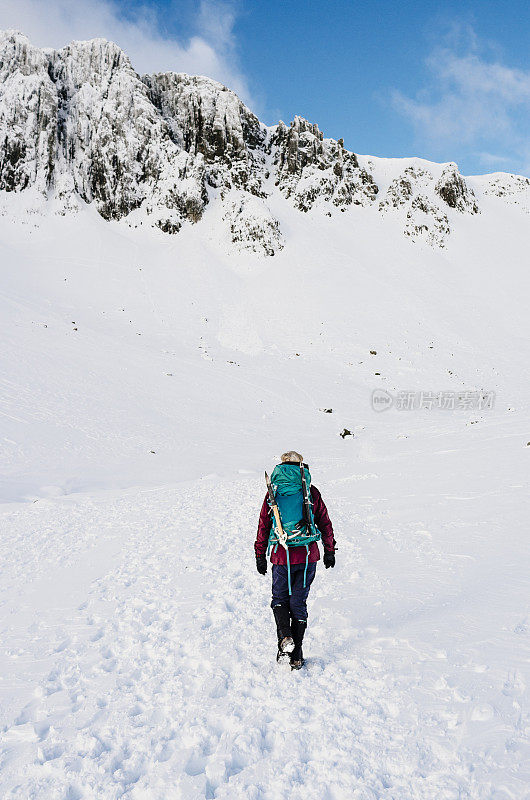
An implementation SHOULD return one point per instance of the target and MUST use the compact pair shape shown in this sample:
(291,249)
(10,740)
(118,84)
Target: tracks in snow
(161,683)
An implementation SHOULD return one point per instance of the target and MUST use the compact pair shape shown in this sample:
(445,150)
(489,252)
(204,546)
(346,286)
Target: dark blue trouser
(297,601)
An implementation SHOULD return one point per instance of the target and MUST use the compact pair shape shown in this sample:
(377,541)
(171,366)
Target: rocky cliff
(81,124)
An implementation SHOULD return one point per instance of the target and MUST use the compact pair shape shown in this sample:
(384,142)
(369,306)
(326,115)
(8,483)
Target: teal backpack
(288,492)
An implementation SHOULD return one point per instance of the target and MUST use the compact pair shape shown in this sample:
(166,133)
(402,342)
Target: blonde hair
(292,455)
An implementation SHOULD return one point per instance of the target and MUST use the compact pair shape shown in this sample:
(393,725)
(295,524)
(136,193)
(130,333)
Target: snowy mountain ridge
(80,125)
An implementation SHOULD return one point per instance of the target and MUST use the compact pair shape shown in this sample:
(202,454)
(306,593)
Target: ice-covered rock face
(79,124)
(311,168)
(28,116)
(111,139)
(80,121)
(204,117)
(425,201)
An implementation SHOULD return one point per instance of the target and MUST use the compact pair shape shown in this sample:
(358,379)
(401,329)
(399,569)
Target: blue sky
(446,81)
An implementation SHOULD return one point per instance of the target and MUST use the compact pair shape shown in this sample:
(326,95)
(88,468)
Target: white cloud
(212,52)
(471,103)
(494,159)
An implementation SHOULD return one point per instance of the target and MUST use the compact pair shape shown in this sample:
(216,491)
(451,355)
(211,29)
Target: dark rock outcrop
(453,190)
(310,168)
(425,201)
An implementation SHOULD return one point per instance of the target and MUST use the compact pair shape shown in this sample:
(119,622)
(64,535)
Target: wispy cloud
(211,51)
(472,103)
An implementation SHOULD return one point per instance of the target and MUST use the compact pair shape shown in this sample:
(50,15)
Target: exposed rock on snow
(311,168)
(252,226)
(400,190)
(426,219)
(205,117)
(453,189)
(425,201)
(79,124)
(514,189)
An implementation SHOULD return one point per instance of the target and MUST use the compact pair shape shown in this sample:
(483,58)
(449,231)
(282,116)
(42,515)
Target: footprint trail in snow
(150,672)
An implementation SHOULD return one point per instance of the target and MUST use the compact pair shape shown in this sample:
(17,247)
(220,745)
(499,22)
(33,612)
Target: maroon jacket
(297,555)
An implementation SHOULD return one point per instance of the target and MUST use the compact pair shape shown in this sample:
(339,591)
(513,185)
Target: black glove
(261,564)
(329,559)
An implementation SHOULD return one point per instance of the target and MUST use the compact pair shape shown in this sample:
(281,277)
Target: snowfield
(139,654)
(146,382)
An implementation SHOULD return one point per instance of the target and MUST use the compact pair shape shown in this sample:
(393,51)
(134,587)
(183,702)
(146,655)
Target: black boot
(298,628)
(283,629)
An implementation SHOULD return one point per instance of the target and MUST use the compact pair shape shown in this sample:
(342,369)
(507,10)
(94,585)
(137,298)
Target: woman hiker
(291,527)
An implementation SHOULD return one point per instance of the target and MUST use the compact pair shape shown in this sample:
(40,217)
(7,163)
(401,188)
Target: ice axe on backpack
(282,536)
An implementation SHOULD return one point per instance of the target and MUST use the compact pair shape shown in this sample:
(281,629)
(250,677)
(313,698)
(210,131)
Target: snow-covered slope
(147,380)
